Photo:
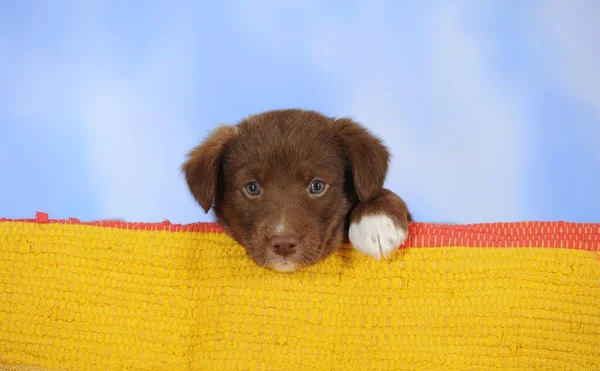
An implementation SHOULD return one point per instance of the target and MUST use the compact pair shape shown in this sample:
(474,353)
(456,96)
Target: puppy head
(282,183)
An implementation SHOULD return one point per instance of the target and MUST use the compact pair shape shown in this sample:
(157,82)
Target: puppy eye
(317,187)
(253,188)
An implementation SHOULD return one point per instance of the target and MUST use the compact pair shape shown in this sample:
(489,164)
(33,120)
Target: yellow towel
(133,296)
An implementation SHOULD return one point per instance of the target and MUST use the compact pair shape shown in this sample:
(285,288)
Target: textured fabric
(23,368)
(127,296)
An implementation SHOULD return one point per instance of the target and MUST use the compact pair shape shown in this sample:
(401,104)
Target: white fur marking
(283,266)
(280,228)
(376,236)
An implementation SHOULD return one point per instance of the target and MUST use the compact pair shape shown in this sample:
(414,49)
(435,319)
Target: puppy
(291,185)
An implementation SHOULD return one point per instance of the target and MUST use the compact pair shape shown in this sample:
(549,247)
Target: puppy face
(282,183)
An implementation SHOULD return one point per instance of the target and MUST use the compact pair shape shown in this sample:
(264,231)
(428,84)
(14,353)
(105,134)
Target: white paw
(376,236)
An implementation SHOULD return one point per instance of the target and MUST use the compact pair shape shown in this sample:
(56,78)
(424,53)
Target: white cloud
(458,133)
(571,31)
(135,143)
(138,134)
(133,111)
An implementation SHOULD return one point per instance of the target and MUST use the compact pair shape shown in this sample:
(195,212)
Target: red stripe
(558,234)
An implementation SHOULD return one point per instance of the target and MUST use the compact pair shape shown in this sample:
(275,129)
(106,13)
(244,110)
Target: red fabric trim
(557,234)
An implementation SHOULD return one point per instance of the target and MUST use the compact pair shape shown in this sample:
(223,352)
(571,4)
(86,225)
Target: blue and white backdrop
(491,108)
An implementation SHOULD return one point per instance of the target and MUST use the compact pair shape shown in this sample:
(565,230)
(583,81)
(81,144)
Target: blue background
(491,109)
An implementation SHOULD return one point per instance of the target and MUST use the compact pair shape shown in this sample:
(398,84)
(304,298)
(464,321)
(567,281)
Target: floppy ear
(368,158)
(201,169)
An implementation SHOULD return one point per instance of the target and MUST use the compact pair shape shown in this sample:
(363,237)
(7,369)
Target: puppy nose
(284,245)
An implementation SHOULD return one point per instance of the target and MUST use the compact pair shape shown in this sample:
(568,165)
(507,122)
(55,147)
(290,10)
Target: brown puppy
(291,185)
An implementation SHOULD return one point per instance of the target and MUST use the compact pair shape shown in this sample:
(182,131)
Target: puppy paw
(377,235)
(379,227)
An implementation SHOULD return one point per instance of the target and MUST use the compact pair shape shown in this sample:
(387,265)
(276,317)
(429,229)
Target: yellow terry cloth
(126,296)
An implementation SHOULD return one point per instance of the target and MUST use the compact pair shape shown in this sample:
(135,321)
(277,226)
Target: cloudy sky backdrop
(491,108)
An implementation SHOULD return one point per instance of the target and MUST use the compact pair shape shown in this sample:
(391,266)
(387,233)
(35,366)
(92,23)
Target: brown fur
(284,150)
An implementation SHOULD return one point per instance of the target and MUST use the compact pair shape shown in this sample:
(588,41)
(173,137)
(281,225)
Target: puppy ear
(201,169)
(367,156)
